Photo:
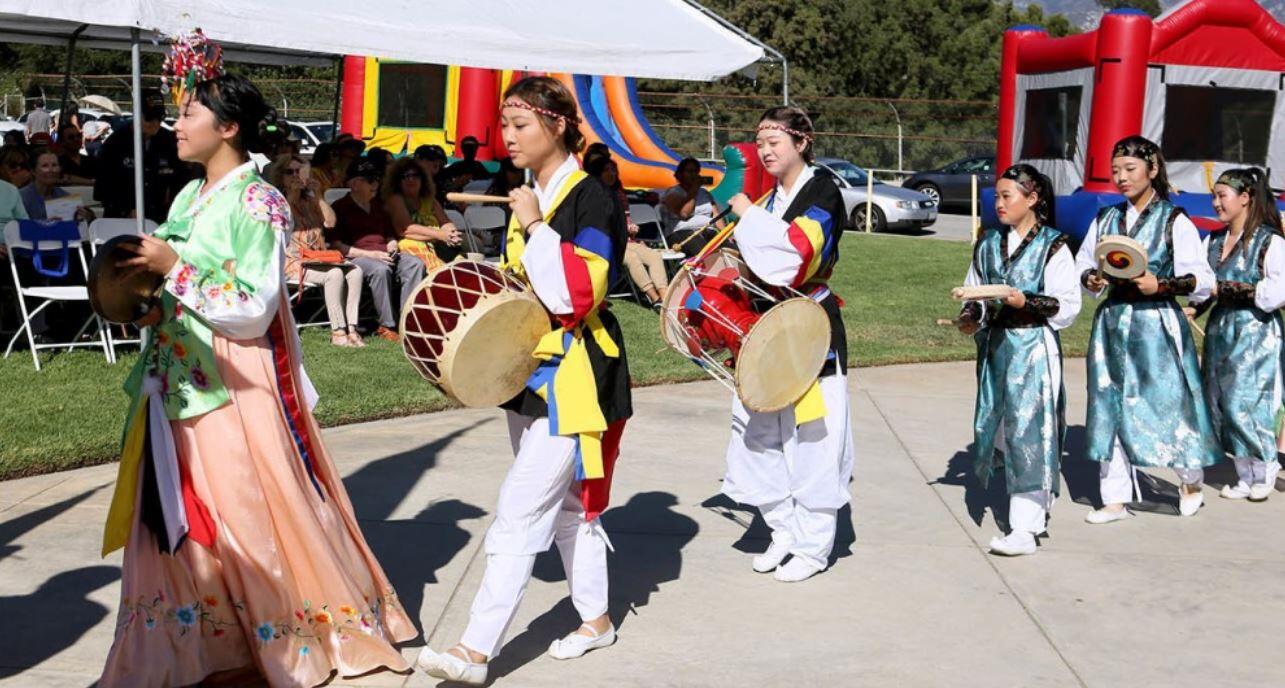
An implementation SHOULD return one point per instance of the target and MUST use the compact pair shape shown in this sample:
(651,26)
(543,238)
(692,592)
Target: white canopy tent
(666,39)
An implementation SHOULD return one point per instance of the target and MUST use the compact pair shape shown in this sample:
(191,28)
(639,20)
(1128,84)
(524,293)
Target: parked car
(310,134)
(893,207)
(952,185)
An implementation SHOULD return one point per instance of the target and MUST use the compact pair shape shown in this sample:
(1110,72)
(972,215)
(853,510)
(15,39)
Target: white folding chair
(25,250)
(296,292)
(651,229)
(486,220)
(101,231)
(457,218)
(332,195)
(477,186)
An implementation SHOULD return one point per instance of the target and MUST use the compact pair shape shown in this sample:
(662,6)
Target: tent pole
(339,89)
(66,76)
(137,87)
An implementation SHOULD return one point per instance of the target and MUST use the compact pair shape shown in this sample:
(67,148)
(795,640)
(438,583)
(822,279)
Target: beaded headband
(1242,180)
(781,127)
(1137,148)
(193,58)
(1020,175)
(522,104)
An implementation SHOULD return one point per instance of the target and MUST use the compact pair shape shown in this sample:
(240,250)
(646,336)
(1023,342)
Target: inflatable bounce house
(400,106)
(1205,80)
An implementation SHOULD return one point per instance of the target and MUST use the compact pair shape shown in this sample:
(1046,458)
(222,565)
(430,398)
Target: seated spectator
(594,150)
(364,234)
(433,160)
(687,207)
(77,169)
(422,228)
(11,207)
(14,137)
(15,165)
(507,179)
(381,157)
(645,265)
(44,187)
(469,164)
(312,217)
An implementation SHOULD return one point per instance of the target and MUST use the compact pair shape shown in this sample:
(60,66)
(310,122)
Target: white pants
(796,475)
(1118,481)
(539,505)
(1028,511)
(808,533)
(1253,472)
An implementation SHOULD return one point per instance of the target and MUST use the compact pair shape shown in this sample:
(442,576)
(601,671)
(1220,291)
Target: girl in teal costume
(1020,397)
(1146,402)
(1242,362)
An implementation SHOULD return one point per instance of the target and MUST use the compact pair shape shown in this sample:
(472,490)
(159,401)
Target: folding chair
(486,220)
(45,239)
(332,195)
(296,292)
(477,186)
(101,231)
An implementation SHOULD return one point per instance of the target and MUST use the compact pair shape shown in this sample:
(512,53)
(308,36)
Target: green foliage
(1151,7)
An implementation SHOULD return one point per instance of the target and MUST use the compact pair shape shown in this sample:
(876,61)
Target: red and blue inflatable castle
(1205,80)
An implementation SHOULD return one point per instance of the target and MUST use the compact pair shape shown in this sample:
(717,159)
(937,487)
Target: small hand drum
(766,350)
(113,295)
(1121,257)
(470,329)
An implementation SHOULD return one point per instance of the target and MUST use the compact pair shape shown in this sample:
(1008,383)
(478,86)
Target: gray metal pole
(339,90)
(137,87)
(66,76)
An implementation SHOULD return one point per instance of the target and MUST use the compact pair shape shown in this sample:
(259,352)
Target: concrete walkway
(913,599)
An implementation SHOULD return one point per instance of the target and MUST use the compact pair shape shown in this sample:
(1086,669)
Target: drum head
(1121,257)
(492,359)
(782,355)
(113,296)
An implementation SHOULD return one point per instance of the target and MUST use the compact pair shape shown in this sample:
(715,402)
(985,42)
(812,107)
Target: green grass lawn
(71,413)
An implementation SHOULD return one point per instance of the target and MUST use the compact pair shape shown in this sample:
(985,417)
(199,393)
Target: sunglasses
(412,175)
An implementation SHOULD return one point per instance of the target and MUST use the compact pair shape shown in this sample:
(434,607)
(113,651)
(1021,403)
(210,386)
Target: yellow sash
(574,384)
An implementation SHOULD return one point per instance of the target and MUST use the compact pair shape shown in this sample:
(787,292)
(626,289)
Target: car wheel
(878,222)
(931,191)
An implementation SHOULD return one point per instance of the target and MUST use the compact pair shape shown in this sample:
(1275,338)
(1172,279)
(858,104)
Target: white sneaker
(772,558)
(449,667)
(795,571)
(1100,516)
(1189,504)
(1238,491)
(1259,492)
(1015,544)
(576,644)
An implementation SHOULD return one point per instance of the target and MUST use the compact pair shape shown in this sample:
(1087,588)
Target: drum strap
(515,240)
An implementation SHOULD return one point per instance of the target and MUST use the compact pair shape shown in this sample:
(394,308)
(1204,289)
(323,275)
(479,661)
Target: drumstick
(1191,318)
(455,197)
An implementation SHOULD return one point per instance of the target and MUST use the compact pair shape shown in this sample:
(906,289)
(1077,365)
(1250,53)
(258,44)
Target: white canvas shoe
(1190,503)
(1015,544)
(795,571)
(1259,492)
(449,667)
(1238,491)
(772,558)
(576,644)
(1100,516)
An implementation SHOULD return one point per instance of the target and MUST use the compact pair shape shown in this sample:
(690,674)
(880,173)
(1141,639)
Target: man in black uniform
(163,173)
